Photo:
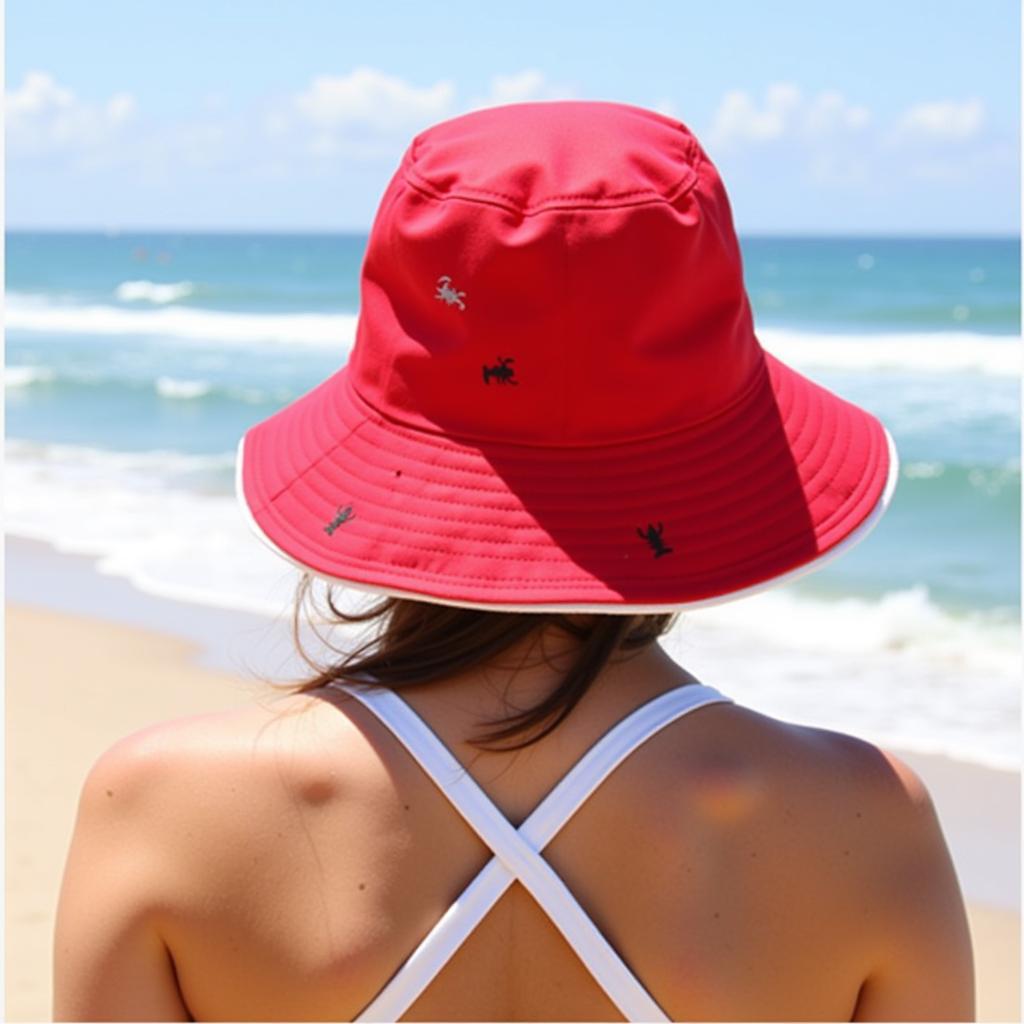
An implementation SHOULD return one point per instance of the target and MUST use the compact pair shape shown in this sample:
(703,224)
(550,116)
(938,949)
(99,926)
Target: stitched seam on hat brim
(773,579)
(752,567)
(667,448)
(714,596)
(670,459)
(416,573)
(309,468)
(755,521)
(486,197)
(826,524)
(760,377)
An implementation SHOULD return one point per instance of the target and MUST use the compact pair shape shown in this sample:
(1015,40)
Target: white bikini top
(517,853)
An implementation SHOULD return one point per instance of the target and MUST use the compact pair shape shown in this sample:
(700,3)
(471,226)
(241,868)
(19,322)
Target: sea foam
(26,376)
(939,352)
(929,353)
(171,387)
(324,330)
(151,291)
(897,669)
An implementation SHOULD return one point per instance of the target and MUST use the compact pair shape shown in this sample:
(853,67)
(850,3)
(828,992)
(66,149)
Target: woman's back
(290,858)
(556,405)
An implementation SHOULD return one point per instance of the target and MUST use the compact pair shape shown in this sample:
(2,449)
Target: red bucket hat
(556,399)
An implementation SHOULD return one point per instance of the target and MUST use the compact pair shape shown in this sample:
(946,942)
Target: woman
(556,431)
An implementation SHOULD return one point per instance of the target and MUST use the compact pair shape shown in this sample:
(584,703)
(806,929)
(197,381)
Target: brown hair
(417,642)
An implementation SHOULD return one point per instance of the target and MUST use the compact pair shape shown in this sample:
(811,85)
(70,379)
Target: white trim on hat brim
(851,540)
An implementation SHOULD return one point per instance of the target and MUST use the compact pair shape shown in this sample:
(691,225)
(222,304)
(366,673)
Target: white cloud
(944,142)
(367,114)
(38,94)
(829,113)
(825,140)
(367,117)
(45,117)
(825,120)
(941,121)
(364,114)
(121,107)
(738,118)
(372,99)
(529,85)
(785,112)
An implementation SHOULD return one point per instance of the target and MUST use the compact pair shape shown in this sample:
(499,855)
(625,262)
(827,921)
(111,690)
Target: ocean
(135,361)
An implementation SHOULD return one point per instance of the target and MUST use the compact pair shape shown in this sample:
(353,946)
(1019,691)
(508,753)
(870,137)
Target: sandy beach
(76,683)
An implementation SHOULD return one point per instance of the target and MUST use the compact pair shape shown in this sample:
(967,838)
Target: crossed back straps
(517,852)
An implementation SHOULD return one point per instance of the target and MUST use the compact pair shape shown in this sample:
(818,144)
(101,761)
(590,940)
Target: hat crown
(530,157)
(554,273)
(556,399)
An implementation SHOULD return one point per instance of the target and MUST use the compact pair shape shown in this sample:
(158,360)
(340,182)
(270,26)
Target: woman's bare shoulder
(204,760)
(875,844)
(823,799)
(822,762)
(838,837)
(845,809)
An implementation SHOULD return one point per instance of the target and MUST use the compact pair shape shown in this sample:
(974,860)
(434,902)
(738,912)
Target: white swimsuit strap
(517,853)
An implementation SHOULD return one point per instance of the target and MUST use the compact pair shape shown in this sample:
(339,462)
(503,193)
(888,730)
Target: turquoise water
(885,284)
(136,361)
(842,284)
(233,273)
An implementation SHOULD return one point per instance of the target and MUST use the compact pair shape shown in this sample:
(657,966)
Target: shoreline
(804,685)
(40,575)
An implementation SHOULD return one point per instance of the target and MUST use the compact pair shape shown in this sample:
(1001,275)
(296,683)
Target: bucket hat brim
(784,480)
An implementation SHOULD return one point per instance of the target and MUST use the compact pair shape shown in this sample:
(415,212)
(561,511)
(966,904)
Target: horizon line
(362,231)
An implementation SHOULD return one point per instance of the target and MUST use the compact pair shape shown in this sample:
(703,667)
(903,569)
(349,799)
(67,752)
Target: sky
(875,117)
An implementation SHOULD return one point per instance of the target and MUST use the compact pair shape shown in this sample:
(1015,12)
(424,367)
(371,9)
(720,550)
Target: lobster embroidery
(343,515)
(502,373)
(653,537)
